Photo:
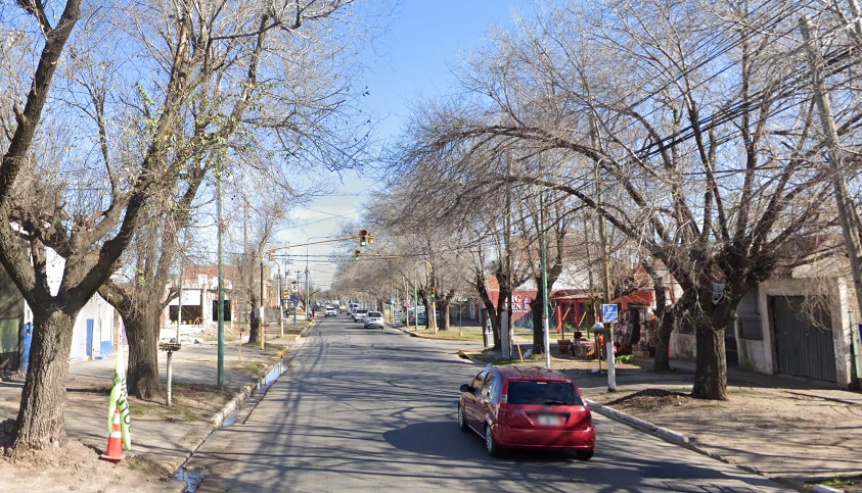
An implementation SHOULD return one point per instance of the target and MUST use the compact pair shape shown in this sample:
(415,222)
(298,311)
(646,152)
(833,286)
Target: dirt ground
(75,466)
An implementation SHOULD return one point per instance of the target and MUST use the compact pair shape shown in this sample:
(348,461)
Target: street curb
(247,392)
(681,440)
(250,390)
(663,433)
(819,488)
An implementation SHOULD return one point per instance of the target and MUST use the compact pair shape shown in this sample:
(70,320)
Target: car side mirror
(466,388)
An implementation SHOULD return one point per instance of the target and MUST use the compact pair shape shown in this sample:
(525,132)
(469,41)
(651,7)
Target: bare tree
(155,130)
(703,142)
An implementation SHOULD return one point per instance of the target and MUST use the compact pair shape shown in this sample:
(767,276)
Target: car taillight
(503,413)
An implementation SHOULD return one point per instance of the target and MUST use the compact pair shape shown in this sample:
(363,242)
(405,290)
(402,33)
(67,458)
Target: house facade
(800,325)
(200,297)
(96,331)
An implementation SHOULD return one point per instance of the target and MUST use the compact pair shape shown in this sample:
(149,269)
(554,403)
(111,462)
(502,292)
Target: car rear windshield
(374,314)
(546,393)
(361,311)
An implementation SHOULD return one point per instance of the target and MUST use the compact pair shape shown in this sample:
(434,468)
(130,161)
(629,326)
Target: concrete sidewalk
(798,431)
(164,437)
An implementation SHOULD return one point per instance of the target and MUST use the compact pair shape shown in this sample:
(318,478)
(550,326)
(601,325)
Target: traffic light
(363,237)
(370,238)
(431,291)
(356,254)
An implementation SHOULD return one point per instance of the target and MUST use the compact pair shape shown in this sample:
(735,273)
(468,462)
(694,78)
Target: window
(488,385)
(532,392)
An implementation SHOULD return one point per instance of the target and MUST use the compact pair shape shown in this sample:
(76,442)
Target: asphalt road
(374,411)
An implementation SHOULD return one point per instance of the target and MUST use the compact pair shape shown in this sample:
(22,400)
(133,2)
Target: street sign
(610,313)
(391,301)
(294,298)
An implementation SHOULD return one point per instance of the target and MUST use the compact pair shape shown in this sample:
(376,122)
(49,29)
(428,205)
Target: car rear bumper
(550,438)
(374,326)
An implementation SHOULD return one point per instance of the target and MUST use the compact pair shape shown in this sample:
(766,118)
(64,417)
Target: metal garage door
(802,348)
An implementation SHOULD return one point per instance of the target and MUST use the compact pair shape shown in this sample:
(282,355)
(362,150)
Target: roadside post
(610,315)
(170,347)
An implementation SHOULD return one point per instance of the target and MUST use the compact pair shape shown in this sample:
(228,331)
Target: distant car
(359,315)
(527,408)
(373,320)
(330,311)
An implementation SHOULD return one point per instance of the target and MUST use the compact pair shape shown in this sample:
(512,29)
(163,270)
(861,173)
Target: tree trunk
(666,319)
(432,314)
(142,329)
(537,305)
(254,322)
(445,304)
(710,379)
(426,302)
(40,416)
(662,343)
(493,312)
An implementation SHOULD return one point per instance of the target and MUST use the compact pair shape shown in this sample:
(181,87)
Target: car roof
(530,373)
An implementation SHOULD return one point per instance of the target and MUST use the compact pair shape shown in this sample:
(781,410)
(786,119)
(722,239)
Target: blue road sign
(610,313)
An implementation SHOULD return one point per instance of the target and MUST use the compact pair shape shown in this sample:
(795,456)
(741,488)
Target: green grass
(837,482)
(138,410)
(251,367)
(451,334)
(178,413)
(227,338)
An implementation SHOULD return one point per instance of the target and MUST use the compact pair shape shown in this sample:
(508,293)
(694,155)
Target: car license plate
(549,420)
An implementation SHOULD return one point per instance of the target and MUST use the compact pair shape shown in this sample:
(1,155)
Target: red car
(527,408)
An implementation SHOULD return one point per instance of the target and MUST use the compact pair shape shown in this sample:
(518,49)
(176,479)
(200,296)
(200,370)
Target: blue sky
(411,60)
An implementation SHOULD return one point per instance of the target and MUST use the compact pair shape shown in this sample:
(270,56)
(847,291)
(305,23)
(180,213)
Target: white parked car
(359,315)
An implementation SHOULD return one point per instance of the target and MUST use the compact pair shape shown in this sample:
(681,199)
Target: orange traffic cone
(115,443)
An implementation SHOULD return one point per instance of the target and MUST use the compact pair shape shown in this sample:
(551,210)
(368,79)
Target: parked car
(330,311)
(373,320)
(527,408)
(359,315)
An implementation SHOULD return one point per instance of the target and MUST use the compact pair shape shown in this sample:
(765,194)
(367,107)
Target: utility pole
(846,213)
(606,280)
(505,306)
(606,275)
(544,287)
(220,308)
(262,324)
(415,302)
(279,297)
(180,299)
